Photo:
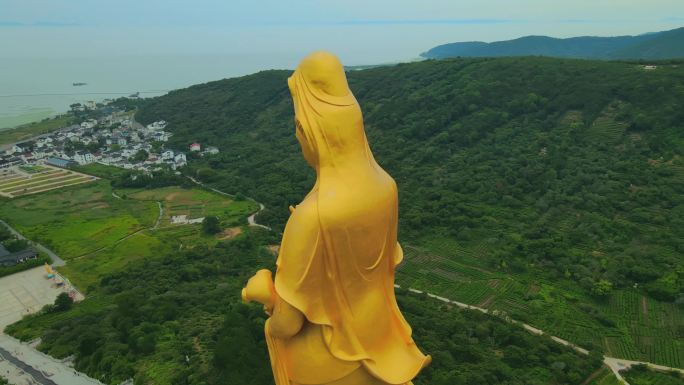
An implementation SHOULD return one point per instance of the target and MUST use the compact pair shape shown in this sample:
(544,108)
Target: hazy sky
(360,31)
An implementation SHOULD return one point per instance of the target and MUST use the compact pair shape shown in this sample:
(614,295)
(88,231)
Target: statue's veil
(347,286)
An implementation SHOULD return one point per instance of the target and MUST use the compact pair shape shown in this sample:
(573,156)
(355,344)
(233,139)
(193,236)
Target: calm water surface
(33,89)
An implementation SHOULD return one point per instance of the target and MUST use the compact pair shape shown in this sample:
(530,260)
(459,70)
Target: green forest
(554,159)
(177,319)
(548,189)
(552,189)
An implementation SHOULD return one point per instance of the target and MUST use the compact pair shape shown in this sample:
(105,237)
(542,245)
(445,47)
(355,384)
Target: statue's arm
(286,320)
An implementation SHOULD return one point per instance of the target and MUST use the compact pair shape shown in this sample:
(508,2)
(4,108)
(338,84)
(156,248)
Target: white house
(83,157)
(180,159)
(167,155)
(127,152)
(159,125)
(88,124)
(212,150)
(162,136)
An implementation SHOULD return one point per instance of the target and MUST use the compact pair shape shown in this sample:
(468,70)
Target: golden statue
(334,318)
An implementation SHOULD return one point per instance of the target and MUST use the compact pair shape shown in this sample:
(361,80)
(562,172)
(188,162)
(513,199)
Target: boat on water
(79,84)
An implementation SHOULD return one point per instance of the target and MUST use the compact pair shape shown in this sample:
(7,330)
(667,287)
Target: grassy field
(99,233)
(85,272)
(100,170)
(27,131)
(195,203)
(79,219)
(626,324)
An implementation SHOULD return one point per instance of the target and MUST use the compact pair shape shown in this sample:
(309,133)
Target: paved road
(56,260)
(35,374)
(43,368)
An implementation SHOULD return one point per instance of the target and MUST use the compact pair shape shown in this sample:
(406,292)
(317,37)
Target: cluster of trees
(11,242)
(211,225)
(182,313)
(14,244)
(571,169)
(168,312)
(642,375)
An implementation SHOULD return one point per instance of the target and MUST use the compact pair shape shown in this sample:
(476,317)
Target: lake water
(33,89)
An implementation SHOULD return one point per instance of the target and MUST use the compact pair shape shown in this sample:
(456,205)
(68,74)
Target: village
(113,139)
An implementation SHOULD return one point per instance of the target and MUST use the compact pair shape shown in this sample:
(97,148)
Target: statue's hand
(260,289)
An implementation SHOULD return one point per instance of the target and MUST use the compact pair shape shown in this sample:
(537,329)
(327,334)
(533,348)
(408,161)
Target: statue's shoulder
(306,210)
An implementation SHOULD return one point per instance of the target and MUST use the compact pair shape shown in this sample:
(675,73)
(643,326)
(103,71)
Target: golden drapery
(339,249)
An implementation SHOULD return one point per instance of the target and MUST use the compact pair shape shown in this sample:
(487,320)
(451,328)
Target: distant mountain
(659,45)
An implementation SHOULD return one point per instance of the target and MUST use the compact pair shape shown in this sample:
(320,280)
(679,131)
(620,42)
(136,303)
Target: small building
(650,67)
(180,159)
(161,136)
(84,157)
(88,124)
(18,148)
(158,125)
(195,147)
(59,162)
(167,155)
(212,150)
(18,257)
(9,161)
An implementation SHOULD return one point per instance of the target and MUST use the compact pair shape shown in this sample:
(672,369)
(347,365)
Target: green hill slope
(551,189)
(660,45)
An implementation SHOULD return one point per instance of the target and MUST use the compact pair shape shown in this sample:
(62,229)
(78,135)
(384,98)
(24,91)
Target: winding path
(156,225)
(251,220)
(615,364)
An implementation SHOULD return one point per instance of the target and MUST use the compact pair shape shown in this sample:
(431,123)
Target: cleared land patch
(21,180)
(193,202)
(25,293)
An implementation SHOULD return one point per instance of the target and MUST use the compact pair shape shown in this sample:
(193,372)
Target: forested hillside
(566,175)
(650,46)
(177,319)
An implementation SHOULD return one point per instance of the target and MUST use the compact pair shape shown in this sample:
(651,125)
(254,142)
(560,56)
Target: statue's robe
(339,249)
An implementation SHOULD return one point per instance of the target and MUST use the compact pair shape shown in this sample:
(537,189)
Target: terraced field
(25,180)
(626,325)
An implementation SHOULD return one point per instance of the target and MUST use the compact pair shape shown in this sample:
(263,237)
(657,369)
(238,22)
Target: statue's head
(324,72)
(319,91)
